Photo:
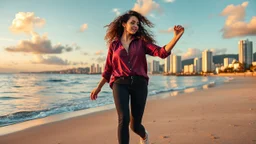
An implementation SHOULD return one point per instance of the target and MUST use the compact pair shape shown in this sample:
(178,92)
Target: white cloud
(25,22)
(218,51)
(116,11)
(85,53)
(7,39)
(169,30)
(83,27)
(145,7)
(101,59)
(152,15)
(51,60)
(38,45)
(194,52)
(235,26)
(169,1)
(191,53)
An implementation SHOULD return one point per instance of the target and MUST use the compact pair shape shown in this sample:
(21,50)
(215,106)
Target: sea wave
(29,115)
(8,98)
(55,80)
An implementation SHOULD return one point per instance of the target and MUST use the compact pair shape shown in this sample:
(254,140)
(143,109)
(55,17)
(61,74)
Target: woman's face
(132,25)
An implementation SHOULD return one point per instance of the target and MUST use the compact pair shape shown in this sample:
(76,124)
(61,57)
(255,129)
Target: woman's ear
(124,24)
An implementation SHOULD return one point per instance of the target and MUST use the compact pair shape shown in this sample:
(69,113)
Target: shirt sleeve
(108,65)
(155,50)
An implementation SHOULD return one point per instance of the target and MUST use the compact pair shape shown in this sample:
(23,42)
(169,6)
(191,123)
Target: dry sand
(224,114)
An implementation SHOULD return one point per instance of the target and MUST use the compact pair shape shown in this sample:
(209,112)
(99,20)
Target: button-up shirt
(120,63)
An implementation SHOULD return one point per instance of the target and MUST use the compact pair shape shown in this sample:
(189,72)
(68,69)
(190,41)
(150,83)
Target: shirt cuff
(106,76)
(164,52)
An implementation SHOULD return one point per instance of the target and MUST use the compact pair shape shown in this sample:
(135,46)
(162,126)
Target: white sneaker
(145,141)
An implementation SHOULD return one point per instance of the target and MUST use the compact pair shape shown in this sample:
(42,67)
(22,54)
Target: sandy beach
(222,114)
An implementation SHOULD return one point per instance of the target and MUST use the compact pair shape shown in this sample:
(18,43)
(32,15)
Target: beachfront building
(155,66)
(197,65)
(96,68)
(176,64)
(167,64)
(228,61)
(186,69)
(207,61)
(245,49)
(149,67)
(191,68)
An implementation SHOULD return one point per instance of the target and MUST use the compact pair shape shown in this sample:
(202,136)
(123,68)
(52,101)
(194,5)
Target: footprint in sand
(234,125)
(214,137)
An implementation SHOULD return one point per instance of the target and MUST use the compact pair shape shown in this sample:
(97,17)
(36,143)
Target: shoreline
(222,114)
(17,127)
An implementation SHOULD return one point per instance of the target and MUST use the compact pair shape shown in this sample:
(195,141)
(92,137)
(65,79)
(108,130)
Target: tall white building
(167,64)
(245,49)
(155,66)
(207,61)
(176,63)
(92,70)
(149,67)
(227,62)
(197,65)
(98,69)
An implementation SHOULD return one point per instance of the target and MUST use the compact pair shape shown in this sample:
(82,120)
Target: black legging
(137,90)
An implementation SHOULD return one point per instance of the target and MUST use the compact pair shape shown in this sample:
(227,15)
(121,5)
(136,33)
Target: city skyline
(42,37)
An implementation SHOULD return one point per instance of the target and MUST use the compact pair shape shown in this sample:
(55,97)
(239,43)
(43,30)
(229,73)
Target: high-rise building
(155,66)
(197,65)
(176,64)
(207,61)
(92,70)
(171,64)
(149,67)
(98,69)
(245,49)
(167,64)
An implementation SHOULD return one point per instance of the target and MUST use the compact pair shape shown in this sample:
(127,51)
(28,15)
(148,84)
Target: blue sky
(59,43)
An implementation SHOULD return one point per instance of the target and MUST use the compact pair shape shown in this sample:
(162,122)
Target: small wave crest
(166,90)
(56,80)
(8,98)
(29,115)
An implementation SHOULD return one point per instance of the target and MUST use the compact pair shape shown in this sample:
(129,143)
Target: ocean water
(25,97)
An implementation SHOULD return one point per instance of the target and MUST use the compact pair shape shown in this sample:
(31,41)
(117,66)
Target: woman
(126,69)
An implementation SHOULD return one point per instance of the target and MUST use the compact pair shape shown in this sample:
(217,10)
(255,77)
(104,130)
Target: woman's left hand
(178,30)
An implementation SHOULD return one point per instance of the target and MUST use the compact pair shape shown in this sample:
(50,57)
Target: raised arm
(164,51)
(178,32)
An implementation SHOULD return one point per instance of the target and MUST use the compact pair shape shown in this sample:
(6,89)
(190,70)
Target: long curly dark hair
(115,28)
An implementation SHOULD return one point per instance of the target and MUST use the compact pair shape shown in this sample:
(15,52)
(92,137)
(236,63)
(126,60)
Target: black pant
(135,89)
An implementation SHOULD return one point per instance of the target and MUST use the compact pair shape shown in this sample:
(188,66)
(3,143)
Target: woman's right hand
(94,93)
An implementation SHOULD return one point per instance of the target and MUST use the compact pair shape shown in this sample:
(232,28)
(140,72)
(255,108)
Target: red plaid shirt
(120,63)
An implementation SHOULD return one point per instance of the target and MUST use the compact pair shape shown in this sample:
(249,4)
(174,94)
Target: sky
(62,34)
